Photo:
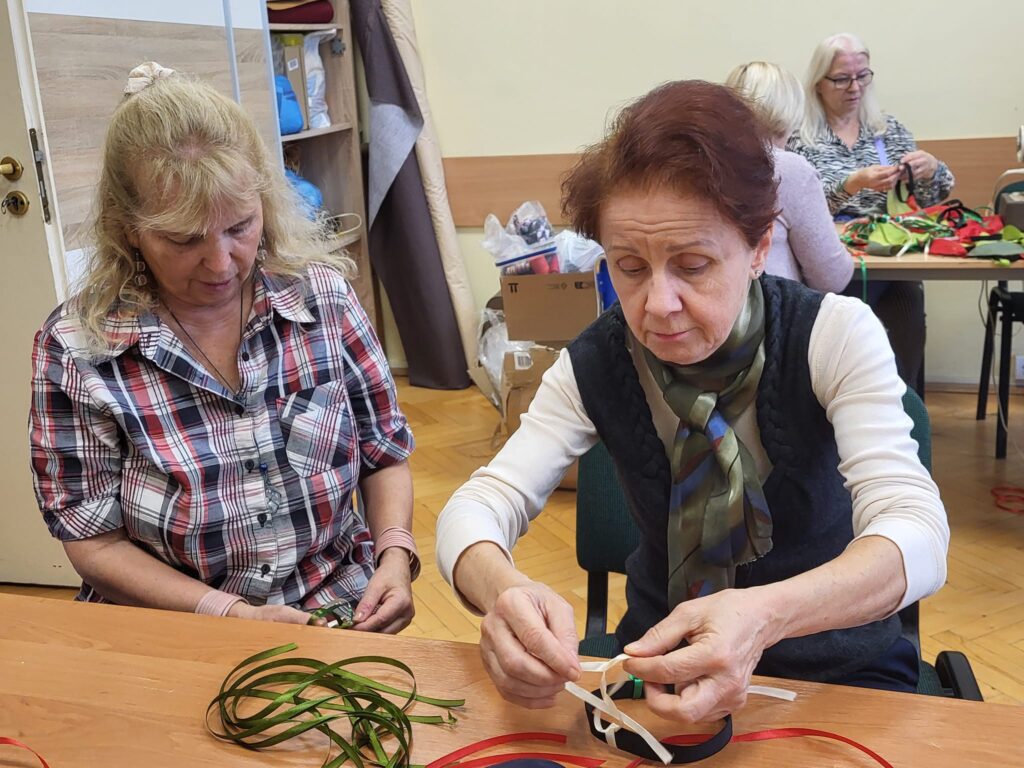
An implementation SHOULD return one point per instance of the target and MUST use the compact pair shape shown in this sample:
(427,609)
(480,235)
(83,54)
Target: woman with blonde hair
(861,154)
(205,406)
(859,151)
(805,245)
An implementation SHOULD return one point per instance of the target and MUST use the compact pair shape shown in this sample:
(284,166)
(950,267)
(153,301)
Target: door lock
(10,168)
(16,202)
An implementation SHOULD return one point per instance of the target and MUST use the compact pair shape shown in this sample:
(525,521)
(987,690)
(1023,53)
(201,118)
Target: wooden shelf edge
(351,237)
(314,132)
(302,27)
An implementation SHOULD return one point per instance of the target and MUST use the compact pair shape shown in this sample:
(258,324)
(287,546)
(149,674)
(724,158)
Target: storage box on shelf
(330,157)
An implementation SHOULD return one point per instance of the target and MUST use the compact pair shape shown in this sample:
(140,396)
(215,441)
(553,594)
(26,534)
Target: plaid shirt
(250,493)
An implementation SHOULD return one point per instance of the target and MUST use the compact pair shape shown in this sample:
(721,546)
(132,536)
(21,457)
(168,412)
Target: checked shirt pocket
(317,427)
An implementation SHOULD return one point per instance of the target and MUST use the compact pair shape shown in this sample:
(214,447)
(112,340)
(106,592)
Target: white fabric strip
(607,705)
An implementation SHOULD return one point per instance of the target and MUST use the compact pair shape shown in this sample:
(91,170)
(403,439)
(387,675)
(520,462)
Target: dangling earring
(261,251)
(140,269)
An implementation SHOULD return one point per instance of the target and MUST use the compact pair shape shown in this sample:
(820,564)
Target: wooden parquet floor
(980,611)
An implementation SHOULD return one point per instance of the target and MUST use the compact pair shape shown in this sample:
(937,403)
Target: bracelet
(398,537)
(217,603)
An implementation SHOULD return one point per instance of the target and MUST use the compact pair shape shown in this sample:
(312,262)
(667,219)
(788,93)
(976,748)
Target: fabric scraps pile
(946,229)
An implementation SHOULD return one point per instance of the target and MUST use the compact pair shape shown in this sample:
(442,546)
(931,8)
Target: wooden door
(27,294)
(73,59)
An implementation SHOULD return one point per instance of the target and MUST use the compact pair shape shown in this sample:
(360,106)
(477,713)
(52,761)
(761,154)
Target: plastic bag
(525,245)
(530,222)
(316,84)
(576,253)
(494,344)
(541,261)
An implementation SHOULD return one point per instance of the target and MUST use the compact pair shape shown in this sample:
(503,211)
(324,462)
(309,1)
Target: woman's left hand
(923,164)
(387,603)
(726,631)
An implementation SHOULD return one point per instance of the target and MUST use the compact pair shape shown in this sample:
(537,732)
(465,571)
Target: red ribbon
(450,760)
(484,762)
(5,740)
(480,746)
(1009,498)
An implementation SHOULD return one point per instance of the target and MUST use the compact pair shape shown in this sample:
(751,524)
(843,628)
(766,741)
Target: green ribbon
(1012,234)
(304,694)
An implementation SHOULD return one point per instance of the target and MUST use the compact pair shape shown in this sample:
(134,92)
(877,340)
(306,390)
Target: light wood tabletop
(918,266)
(94,685)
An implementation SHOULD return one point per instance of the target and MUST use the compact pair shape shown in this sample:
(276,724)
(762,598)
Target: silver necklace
(220,376)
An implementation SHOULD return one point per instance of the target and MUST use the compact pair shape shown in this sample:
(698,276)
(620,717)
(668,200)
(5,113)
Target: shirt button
(245,357)
(240,409)
(262,518)
(265,569)
(250,464)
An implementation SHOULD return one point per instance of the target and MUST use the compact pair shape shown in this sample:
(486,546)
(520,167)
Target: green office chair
(606,535)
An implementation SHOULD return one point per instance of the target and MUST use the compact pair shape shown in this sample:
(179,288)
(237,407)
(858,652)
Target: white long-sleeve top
(853,376)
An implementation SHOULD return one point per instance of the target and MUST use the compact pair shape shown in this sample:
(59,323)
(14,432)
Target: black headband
(631,742)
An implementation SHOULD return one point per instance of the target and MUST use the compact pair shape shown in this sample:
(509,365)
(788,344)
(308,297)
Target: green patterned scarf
(718,516)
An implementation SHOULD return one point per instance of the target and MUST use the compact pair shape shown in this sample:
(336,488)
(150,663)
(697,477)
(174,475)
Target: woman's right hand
(283,614)
(529,644)
(880,178)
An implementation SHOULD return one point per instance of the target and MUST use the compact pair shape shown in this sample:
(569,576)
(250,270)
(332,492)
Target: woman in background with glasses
(859,151)
(860,154)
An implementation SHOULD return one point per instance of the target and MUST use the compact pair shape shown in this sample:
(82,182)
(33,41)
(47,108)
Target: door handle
(10,168)
(16,202)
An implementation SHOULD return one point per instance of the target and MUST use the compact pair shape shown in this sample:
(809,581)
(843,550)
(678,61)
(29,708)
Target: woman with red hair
(756,427)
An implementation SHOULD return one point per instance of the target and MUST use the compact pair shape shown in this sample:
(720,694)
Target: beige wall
(534,77)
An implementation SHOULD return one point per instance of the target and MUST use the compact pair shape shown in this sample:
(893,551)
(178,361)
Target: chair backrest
(606,533)
(1010,181)
(922,429)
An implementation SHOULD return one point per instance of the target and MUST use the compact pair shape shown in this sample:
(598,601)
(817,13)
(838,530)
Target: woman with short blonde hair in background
(805,245)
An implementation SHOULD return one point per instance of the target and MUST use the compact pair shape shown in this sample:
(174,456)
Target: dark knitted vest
(811,511)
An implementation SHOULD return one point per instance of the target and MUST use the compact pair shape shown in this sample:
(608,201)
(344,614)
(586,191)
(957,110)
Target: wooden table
(918,266)
(93,685)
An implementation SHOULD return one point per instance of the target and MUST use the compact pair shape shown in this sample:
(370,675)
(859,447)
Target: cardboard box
(520,378)
(295,71)
(549,309)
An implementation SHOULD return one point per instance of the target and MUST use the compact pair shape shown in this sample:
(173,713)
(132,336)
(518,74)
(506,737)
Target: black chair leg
(1004,382)
(597,603)
(986,354)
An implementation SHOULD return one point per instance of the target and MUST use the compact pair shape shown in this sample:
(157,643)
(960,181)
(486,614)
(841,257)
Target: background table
(94,685)
(918,266)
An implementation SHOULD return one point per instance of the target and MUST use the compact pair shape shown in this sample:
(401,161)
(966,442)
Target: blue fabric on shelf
(310,192)
(289,115)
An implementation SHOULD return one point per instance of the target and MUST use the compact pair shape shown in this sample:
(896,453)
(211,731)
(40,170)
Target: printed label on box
(292,64)
(523,361)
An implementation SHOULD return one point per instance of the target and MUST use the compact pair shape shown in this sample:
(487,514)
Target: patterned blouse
(835,161)
(251,492)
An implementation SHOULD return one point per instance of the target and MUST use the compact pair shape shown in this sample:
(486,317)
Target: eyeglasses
(844,83)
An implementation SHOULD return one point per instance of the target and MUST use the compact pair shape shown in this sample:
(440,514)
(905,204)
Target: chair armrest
(956,674)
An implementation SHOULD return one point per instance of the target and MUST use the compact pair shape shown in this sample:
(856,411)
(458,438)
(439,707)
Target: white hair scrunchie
(144,76)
